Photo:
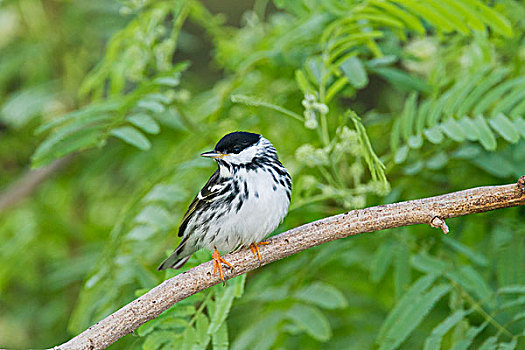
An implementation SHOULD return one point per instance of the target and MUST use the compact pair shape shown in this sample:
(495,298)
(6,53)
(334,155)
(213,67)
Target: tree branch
(432,211)
(29,182)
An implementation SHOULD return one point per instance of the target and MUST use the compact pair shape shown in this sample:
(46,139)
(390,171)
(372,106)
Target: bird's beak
(213,154)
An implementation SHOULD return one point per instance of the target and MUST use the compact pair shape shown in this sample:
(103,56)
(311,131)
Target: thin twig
(421,211)
(24,186)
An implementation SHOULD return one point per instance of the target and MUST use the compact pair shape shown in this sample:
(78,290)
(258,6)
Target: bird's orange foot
(218,260)
(255,249)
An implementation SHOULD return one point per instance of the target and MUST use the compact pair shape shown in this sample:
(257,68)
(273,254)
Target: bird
(243,202)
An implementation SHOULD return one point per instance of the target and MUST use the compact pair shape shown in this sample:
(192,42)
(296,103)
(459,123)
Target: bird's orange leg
(218,260)
(255,249)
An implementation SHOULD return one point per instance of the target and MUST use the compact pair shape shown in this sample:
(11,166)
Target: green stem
(480,310)
(322,99)
(200,309)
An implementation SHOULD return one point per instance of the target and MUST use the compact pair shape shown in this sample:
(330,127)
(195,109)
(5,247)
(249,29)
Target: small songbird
(244,200)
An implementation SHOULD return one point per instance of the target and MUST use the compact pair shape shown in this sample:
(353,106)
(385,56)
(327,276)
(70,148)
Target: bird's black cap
(235,142)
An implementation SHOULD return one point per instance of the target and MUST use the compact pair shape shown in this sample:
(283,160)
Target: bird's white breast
(260,213)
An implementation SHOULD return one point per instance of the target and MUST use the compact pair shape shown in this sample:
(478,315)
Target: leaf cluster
(368,102)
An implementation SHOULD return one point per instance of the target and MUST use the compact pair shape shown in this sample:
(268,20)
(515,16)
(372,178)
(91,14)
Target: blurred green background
(105,106)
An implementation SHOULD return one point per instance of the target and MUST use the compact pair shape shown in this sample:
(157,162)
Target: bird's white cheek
(246,156)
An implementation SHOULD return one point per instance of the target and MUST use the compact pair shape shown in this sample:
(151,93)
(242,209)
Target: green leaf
(239,283)
(311,320)
(171,81)
(504,127)
(461,89)
(518,110)
(92,113)
(469,129)
(471,333)
(486,137)
(151,105)
(401,269)
(411,21)
(157,339)
(425,263)
(495,164)
(462,20)
(265,324)
(144,122)
(401,80)
(489,344)
(437,108)
(401,154)
(335,88)
(512,303)
(314,68)
(272,293)
(519,316)
(508,346)
(223,306)
(422,115)
(408,116)
(412,317)
(499,23)
(189,338)
(322,295)
(453,129)
(354,70)
(201,331)
(434,134)
(519,124)
(132,136)
(397,313)
(379,18)
(22,106)
(381,261)
(497,93)
(471,280)
(165,321)
(476,257)
(415,141)
(302,81)
(433,342)
(430,14)
(386,60)
(395,135)
(61,143)
(437,161)
(485,85)
(219,339)
(515,289)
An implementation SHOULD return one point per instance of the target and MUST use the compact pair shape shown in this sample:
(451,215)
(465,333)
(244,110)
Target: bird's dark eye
(236,149)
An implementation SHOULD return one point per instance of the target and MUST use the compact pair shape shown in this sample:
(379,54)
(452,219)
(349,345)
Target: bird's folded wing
(208,192)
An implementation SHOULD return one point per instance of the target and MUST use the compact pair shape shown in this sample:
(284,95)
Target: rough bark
(432,211)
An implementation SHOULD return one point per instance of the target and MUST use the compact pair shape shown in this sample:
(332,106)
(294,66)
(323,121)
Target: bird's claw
(218,260)
(255,249)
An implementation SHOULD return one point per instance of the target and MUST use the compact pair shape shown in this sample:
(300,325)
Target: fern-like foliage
(127,99)
(479,108)
(125,117)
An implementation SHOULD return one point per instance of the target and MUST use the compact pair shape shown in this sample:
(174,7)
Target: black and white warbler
(242,203)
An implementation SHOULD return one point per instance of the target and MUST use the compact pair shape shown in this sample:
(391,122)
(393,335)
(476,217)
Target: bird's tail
(178,258)
(174,261)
